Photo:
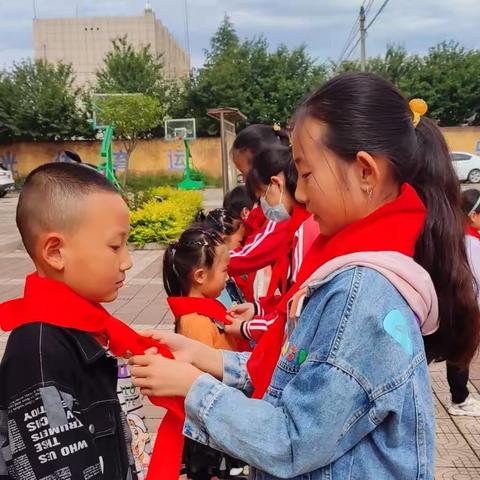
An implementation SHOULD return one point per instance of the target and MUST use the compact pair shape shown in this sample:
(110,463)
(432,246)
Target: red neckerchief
(472,232)
(208,307)
(52,302)
(282,264)
(246,283)
(395,226)
(255,221)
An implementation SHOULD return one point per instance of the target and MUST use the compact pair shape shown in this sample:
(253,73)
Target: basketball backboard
(180,129)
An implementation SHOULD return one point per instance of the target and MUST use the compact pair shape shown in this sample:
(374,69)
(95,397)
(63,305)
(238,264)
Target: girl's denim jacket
(350,397)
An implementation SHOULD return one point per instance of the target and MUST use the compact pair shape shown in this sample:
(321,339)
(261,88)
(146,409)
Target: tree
(449,80)
(39,101)
(264,85)
(132,116)
(127,70)
(223,41)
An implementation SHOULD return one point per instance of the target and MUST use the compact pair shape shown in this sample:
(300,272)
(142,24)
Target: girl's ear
(368,171)
(278,180)
(199,276)
(244,213)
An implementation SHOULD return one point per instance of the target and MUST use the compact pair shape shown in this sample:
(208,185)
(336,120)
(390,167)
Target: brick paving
(141,304)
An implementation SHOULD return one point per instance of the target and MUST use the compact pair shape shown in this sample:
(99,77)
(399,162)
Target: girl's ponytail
(441,249)
(363,111)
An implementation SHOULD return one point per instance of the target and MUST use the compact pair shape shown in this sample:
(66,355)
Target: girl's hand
(235,328)
(186,350)
(183,348)
(158,376)
(243,312)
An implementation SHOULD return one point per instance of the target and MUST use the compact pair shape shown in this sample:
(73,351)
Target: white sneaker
(469,408)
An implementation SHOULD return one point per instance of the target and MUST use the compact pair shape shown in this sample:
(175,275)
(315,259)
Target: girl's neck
(195,293)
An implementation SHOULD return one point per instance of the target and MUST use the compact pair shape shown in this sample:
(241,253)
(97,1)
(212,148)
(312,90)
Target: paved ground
(142,304)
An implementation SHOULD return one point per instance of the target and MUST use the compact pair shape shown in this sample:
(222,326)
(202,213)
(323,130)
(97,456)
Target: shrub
(137,182)
(164,215)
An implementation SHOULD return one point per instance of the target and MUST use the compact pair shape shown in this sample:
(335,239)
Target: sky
(323,25)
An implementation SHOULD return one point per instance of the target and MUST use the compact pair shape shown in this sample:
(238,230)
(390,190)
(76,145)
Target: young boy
(60,417)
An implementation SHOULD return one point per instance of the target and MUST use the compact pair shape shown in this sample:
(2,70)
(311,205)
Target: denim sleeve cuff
(235,373)
(199,401)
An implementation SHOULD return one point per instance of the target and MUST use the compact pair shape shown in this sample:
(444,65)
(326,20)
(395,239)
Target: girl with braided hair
(194,275)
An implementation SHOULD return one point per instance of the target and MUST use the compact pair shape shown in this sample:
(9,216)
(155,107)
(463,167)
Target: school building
(84,42)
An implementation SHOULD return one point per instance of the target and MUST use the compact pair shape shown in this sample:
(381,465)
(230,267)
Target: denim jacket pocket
(284,373)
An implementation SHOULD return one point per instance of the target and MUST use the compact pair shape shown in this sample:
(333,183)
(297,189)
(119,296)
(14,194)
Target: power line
(369,6)
(353,33)
(346,56)
(384,4)
(352,50)
(350,39)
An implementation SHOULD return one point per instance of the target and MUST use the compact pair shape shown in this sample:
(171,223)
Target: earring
(369,192)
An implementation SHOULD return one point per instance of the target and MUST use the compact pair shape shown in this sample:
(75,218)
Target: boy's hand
(243,313)
(157,376)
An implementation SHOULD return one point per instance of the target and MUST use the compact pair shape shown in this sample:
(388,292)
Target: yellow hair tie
(419,108)
(276,127)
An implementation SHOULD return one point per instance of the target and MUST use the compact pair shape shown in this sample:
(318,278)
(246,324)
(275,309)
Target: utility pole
(363,59)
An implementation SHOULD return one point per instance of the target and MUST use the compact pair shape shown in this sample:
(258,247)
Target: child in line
(272,180)
(259,249)
(341,384)
(238,203)
(60,416)
(461,402)
(196,267)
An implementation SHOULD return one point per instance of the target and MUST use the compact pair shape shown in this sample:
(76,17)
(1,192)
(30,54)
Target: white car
(6,180)
(467,166)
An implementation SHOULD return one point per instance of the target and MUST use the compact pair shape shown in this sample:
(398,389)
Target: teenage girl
(262,235)
(341,385)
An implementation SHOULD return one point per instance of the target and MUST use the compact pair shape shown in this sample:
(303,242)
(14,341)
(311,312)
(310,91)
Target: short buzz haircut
(51,199)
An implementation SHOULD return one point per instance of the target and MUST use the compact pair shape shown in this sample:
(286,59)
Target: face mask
(278,213)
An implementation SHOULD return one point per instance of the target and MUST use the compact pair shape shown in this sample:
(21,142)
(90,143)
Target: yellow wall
(464,139)
(150,156)
(159,156)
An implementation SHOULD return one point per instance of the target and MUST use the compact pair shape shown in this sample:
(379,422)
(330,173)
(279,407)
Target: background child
(60,414)
(461,402)
(259,249)
(230,230)
(196,266)
(239,204)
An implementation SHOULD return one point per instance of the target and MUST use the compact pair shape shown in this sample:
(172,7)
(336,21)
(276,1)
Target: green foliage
(139,184)
(132,116)
(447,78)
(39,101)
(127,70)
(265,85)
(164,215)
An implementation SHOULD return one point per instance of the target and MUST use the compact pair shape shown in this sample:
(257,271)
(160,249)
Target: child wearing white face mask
(272,180)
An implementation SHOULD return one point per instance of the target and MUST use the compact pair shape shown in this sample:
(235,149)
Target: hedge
(165,213)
